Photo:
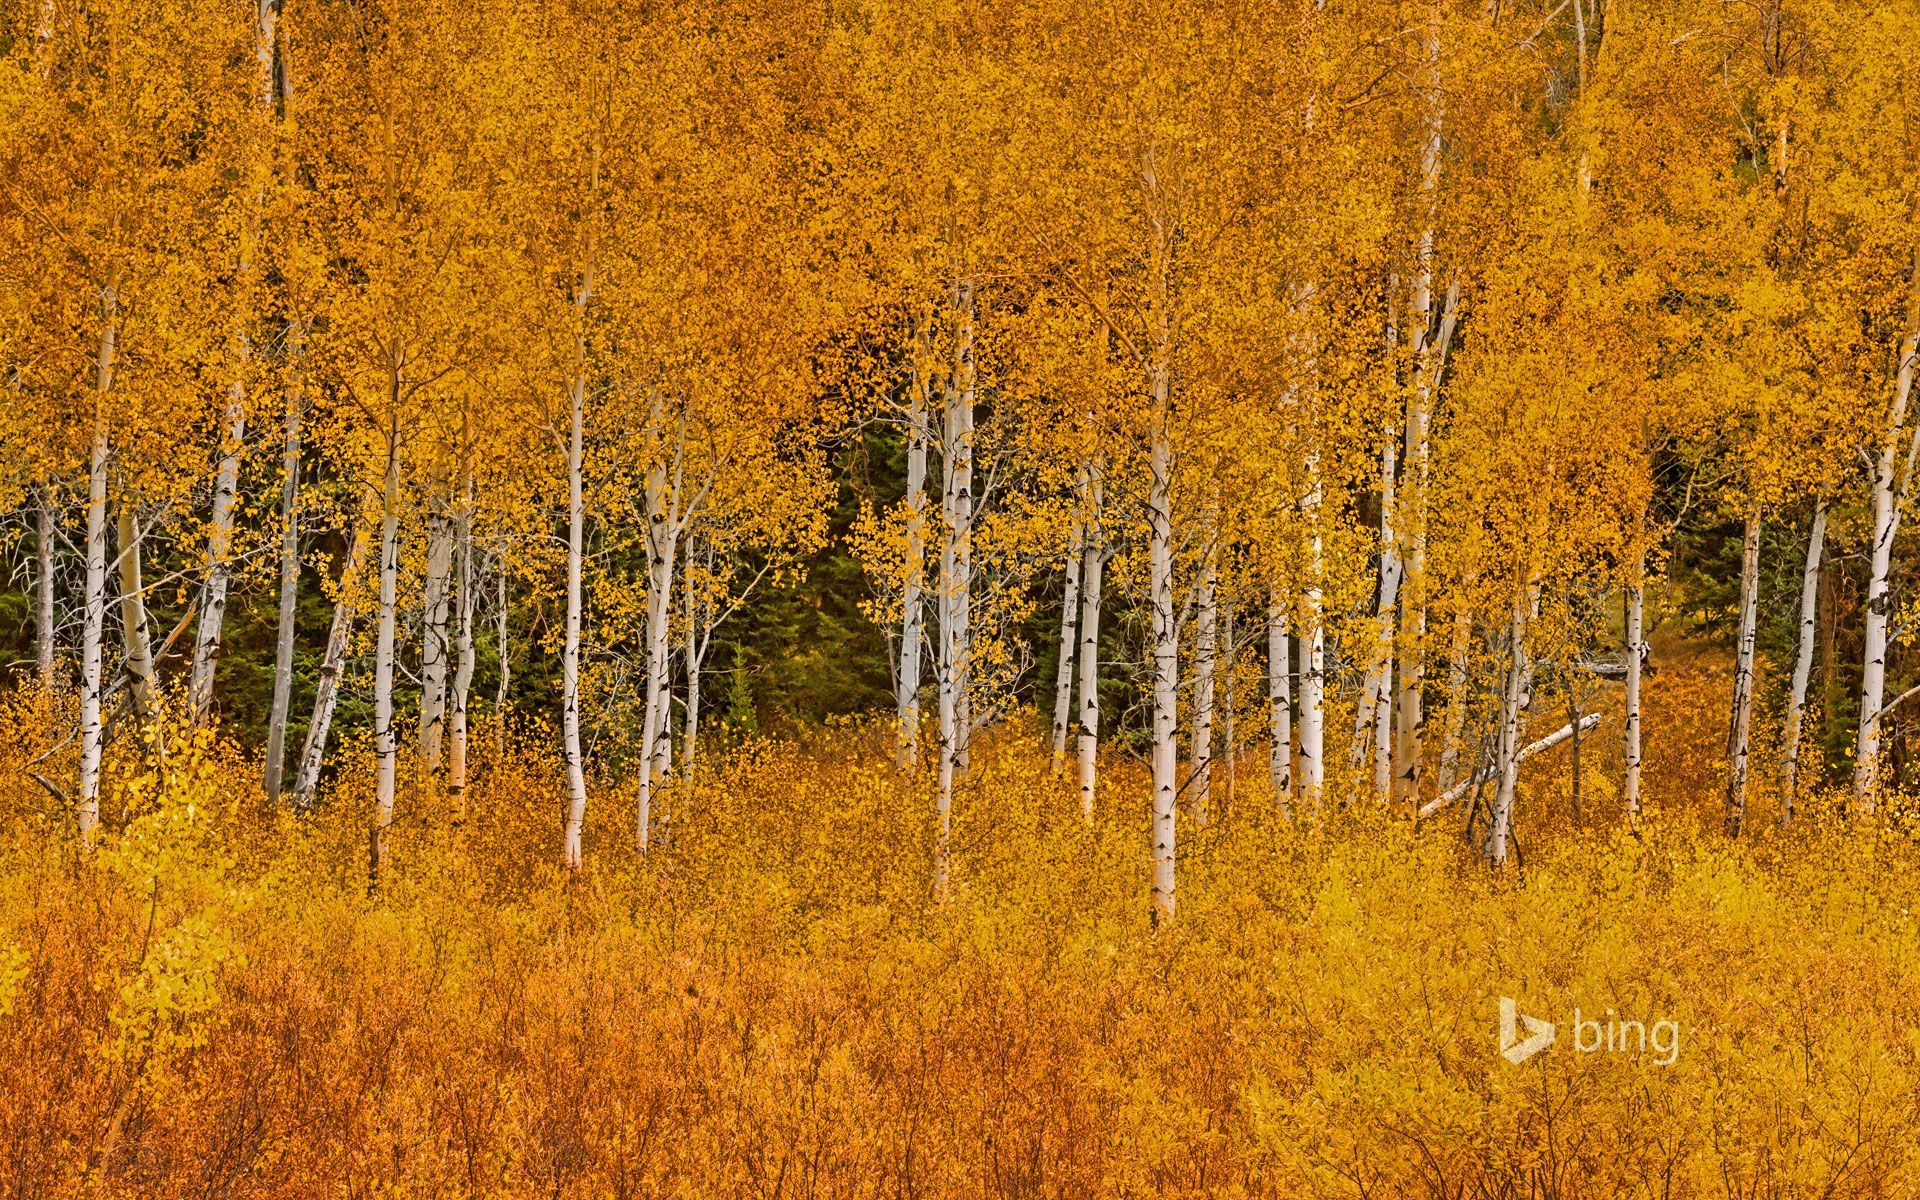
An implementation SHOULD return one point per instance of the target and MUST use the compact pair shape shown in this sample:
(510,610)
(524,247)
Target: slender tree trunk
(1519,672)
(1165,628)
(1802,662)
(1205,651)
(1889,494)
(1373,714)
(326,694)
(92,730)
(570,649)
(133,616)
(663,543)
(289,578)
(1230,700)
(43,618)
(1313,665)
(1411,732)
(694,652)
(385,750)
(1636,661)
(462,652)
(1069,609)
(506,667)
(956,582)
(213,610)
(913,595)
(436,618)
(1087,662)
(1280,705)
(1743,675)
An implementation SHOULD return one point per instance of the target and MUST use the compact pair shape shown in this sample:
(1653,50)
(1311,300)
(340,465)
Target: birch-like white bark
(570,648)
(1313,652)
(956,579)
(1373,714)
(94,618)
(1519,675)
(462,651)
(43,617)
(283,641)
(1570,730)
(213,605)
(1069,610)
(1890,485)
(1802,662)
(913,612)
(1636,660)
(333,665)
(1280,705)
(133,616)
(1165,632)
(436,619)
(1411,731)
(1743,675)
(1205,652)
(692,654)
(1087,662)
(386,752)
(662,500)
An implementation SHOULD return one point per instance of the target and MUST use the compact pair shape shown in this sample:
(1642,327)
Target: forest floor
(770,1004)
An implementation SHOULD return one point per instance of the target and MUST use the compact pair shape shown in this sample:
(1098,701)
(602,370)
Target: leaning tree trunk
(386,752)
(326,694)
(1743,676)
(133,617)
(462,652)
(956,582)
(913,615)
(1205,651)
(1889,496)
(1092,568)
(1280,705)
(289,581)
(436,618)
(1802,662)
(213,608)
(92,730)
(1513,702)
(1069,609)
(43,630)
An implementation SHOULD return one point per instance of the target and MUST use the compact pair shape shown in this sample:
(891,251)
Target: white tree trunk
(570,649)
(1802,662)
(1205,652)
(43,618)
(276,753)
(326,694)
(1280,705)
(1743,675)
(913,593)
(133,616)
(436,619)
(1572,729)
(694,653)
(1087,662)
(94,621)
(1411,732)
(1165,628)
(1889,496)
(1636,659)
(663,543)
(462,652)
(386,752)
(213,608)
(1069,610)
(1519,675)
(1373,714)
(956,580)
(1313,661)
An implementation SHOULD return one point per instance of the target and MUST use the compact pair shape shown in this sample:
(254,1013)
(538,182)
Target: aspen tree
(1069,610)
(284,630)
(912,602)
(1205,650)
(333,665)
(1743,674)
(956,575)
(1280,706)
(1092,571)
(1802,661)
